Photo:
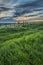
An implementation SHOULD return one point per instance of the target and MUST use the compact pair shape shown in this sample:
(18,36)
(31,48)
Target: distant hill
(7,21)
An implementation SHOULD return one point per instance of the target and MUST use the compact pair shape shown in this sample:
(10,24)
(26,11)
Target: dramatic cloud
(21,8)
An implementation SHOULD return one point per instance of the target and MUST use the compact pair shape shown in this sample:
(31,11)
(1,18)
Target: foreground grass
(21,46)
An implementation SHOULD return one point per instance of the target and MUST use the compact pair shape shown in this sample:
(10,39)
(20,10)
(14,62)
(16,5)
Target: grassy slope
(21,46)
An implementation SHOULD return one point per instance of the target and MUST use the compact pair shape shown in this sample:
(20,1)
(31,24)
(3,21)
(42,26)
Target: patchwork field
(21,44)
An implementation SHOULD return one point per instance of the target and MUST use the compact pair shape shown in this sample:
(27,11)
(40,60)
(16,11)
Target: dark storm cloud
(29,7)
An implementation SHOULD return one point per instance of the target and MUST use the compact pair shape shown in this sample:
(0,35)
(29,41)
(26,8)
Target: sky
(31,10)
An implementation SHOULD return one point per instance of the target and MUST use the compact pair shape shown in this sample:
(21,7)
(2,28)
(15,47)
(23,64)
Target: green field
(22,44)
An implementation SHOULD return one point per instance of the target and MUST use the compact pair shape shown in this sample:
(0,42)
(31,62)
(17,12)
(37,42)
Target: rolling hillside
(22,45)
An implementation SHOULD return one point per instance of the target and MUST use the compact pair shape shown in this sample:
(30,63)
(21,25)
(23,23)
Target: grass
(22,45)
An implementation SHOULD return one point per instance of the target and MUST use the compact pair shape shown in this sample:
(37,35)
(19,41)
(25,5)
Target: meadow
(21,44)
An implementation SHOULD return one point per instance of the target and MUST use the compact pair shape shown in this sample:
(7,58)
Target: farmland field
(21,44)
